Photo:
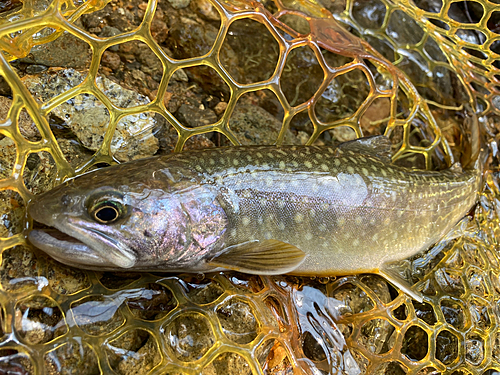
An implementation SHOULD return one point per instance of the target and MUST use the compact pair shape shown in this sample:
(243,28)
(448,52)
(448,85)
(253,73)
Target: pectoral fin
(394,278)
(269,257)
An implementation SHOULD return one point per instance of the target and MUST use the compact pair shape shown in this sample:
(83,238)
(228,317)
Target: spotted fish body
(348,209)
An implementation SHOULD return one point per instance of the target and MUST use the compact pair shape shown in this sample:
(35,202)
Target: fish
(265,210)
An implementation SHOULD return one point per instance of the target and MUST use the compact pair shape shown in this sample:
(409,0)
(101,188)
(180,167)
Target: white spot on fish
(282,165)
(299,218)
(308,236)
(350,169)
(308,164)
(245,221)
(324,167)
(281,226)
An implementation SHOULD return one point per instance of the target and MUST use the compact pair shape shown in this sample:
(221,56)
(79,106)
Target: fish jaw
(85,247)
(78,252)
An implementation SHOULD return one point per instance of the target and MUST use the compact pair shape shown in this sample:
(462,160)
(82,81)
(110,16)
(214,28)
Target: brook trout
(267,210)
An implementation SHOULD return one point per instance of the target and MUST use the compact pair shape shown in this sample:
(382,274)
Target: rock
(12,212)
(194,117)
(19,269)
(255,126)
(26,125)
(179,4)
(66,51)
(111,59)
(88,118)
(188,38)
(7,157)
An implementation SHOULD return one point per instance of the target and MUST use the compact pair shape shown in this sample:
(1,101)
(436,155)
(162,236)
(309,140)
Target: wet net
(86,84)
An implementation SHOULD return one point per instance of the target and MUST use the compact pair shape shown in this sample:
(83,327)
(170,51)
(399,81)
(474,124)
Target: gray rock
(253,125)
(88,118)
(193,116)
(27,127)
(179,4)
(66,51)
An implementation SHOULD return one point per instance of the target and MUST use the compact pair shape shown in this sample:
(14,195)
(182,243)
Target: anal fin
(394,278)
(269,257)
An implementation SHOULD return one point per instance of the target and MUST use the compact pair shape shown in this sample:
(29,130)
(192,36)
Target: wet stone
(75,154)
(193,116)
(154,301)
(273,358)
(12,212)
(343,95)
(495,346)
(312,348)
(39,320)
(425,312)
(301,76)
(415,343)
(118,280)
(247,282)
(238,321)
(446,347)
(477,283)
(66,280)
(134,352)
(474,349)
(379,286)
(7,157)
(189,336)
(14,362)
(253,125)
(400,313)
(19,269)
(453,313)
(227,363)
(201,291)
(88,118)
(72,358)
(391,368)
(250,62)
(40,172)
(354,300)
(479,314)
(450,283)
(66,51)
(97,315)
(376,336)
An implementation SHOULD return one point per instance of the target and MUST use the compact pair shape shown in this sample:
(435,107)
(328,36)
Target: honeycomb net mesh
(421,72)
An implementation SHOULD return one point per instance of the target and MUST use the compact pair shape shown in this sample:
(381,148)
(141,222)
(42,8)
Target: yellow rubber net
(422,72)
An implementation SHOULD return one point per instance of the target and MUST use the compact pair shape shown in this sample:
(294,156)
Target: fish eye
(107,212)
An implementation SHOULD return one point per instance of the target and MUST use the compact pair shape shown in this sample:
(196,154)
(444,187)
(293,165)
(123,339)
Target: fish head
(113,220)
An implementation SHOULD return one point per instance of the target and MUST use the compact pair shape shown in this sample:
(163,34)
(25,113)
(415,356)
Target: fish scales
(338,205)
(305,210)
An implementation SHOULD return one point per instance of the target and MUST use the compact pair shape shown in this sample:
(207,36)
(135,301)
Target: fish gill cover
(90,83)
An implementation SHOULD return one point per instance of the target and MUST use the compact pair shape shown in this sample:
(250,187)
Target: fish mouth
(63,247)
(82,247)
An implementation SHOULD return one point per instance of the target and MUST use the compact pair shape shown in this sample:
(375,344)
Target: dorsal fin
(378,146)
